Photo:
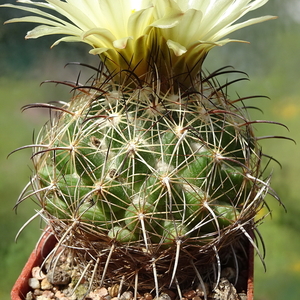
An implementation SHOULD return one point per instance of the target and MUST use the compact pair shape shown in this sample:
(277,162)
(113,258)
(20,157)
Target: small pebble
(45,296)
(29,296)
(45,284)
(126,296)
(42,297)
(114,290)
(164,296)
(34,283)
(190,294)
(59,277)
(148,296)
(37,292)
(48,294)
(243,296)
(100,294)
(61,296)
(171,294)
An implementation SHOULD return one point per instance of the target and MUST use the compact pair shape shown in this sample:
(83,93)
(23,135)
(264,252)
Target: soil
(64,282)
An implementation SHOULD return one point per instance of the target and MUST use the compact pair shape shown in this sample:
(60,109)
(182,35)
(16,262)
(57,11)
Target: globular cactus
(150,177)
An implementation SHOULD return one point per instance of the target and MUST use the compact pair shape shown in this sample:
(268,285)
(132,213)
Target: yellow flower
(117,30)
(191,28)
(170,37)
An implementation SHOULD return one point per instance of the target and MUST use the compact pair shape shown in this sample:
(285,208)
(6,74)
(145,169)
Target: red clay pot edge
(44,247)
(250,283)
(47,243)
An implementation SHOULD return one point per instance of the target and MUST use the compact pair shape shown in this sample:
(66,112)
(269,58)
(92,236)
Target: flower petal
(176,47)
(35,11)
(100,37)
(238,26)
(44,30)
(122,43)
(67,39)
(138,22)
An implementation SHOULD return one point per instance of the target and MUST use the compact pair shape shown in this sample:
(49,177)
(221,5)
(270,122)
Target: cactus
(141,178)
(150,179)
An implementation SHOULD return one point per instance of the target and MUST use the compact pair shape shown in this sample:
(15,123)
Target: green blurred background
(273,64)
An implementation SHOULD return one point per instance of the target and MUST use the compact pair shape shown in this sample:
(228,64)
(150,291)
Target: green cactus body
(150,176)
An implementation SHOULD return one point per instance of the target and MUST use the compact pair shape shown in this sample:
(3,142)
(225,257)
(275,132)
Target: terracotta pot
(47,243)
(21,287)
(250,283)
